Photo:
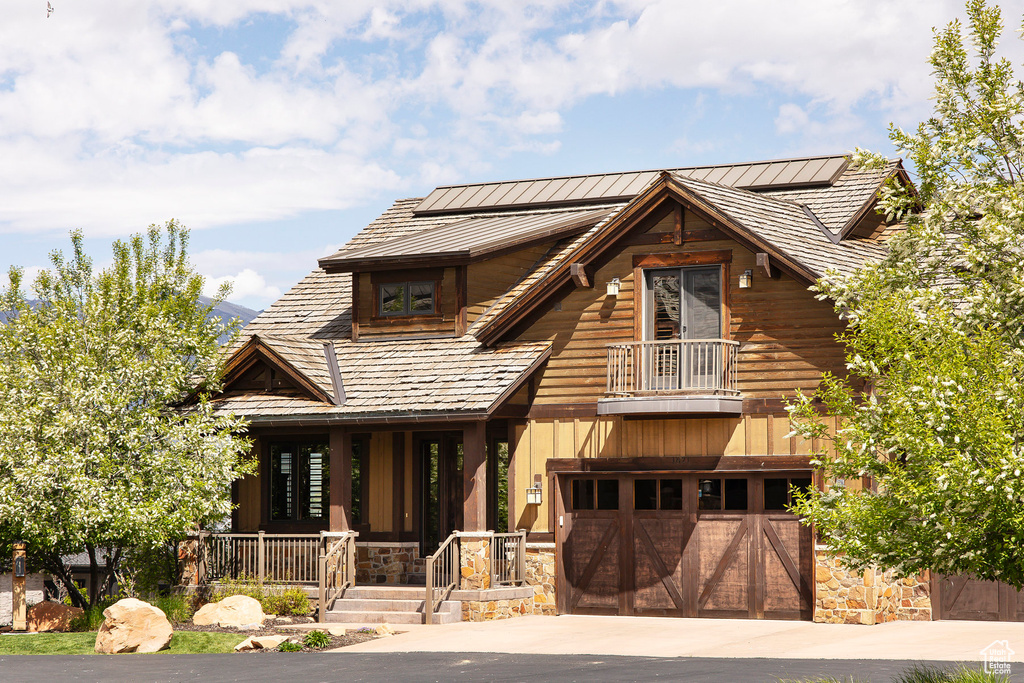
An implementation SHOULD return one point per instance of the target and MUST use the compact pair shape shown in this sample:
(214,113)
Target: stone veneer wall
(387,562)
(476,565)
(876,597)
(540,573)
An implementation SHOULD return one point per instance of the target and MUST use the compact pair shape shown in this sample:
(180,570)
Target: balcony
(683,376)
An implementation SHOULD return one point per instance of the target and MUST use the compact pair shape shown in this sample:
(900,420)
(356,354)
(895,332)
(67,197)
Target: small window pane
(392,299)
(582,494)
(421,297)
(671,494)
(776,494)
(607,494)
(735,494)
(709,494)
(282,483)
(645,494)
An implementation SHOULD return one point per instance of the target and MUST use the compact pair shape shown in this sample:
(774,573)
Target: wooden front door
(683,545)
(967,598)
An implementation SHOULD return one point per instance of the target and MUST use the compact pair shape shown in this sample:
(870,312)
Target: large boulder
(133,626)
(236,611)
(51,616)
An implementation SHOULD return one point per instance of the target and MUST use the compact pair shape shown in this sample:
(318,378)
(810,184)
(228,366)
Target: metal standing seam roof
(582,189)
(468,240)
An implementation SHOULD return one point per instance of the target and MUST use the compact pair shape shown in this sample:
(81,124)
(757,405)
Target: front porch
(473,576)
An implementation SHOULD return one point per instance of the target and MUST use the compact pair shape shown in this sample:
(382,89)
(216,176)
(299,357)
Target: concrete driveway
(664,637)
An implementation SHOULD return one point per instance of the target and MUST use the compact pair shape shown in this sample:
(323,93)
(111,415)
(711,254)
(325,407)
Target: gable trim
(665,187)
(256,350)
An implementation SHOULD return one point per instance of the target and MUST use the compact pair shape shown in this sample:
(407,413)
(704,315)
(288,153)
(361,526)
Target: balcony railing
(676,366)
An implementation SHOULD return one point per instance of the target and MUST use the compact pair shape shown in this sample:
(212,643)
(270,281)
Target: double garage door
(684,544)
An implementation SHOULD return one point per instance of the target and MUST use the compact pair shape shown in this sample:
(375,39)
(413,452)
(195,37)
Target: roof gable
(795,240)
(295,359)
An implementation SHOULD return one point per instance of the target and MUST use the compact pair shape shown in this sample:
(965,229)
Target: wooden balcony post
(474,477)
(341,480)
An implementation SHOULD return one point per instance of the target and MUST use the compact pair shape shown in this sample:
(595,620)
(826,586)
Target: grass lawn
(183,643)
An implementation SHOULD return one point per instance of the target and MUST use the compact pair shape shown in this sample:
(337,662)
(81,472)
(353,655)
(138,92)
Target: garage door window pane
(801,484)
(607,494)
(735,494)
(671,494)
(709,494)
(776,494)
(645,494)
(582,494)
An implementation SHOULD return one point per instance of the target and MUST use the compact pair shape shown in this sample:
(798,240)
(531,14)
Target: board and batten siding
(786,336)
(539,440)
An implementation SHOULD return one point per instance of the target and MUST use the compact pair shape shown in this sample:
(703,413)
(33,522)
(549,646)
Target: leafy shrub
(317,639)
(290,601)
(92,618)
(289,646)
(275,600)
(178,608)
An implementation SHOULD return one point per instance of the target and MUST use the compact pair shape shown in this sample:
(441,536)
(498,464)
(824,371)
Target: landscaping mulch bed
(274,628)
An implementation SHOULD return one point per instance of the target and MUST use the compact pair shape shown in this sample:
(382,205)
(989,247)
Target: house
(602,361)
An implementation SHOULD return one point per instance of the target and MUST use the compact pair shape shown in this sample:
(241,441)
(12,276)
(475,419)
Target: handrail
(508,559)
(672,366)
(263,557)
(443,569)
(336,569)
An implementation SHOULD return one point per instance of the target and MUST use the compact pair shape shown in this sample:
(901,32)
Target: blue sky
(276,129)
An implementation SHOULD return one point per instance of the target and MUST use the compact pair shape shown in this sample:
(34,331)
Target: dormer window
(406,298)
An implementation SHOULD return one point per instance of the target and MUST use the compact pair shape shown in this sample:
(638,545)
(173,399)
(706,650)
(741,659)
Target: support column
(341,480)
(474,477)
(18,575)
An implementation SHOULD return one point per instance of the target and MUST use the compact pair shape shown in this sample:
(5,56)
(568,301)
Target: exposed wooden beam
(580,277)
(677,235)
(766,267)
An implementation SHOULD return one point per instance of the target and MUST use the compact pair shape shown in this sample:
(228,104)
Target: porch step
(450,613)
(385,592)
(391,604)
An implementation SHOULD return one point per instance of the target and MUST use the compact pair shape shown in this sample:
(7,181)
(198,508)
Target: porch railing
(267,558)
(337,568)
(508,559)
(672,366)
(443,571)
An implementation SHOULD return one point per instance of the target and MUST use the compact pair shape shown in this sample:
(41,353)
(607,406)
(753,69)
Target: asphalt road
(421,666)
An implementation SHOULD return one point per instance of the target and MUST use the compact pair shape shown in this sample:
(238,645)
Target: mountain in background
(226,311)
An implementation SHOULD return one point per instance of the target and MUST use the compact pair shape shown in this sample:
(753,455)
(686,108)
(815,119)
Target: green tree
(97,452)
(932,407)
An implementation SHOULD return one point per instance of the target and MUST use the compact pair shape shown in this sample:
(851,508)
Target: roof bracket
(582,275)
(766,266)
(332,365)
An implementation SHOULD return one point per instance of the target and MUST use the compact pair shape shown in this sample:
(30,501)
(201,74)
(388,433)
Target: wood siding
(786,336)
(489,280)
(538,440)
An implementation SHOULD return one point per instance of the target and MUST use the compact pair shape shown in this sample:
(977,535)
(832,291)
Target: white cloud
(112,116)
(247,284)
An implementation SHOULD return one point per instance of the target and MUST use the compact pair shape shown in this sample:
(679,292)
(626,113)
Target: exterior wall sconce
(746,279)
(613,287)
(535,493)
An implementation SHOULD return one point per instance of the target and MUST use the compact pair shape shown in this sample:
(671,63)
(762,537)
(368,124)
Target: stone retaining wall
(496,603)
(874,597)
(387,562)
(540,574)
(476,565)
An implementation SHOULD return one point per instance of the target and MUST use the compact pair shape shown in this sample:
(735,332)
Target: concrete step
(450,613)
(389,592)
(365,605)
